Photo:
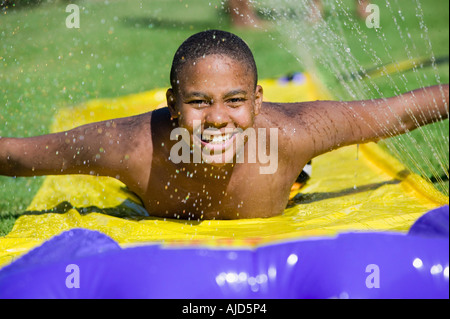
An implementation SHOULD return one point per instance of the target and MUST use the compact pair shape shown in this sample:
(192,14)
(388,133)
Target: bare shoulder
(282,113)
(305,115)
(119,147)
(133,130)
(309,129)
(133,138)
(120,135)
(293,122)
(292,119)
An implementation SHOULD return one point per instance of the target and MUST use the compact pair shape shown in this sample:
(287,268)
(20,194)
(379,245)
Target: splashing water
(56,67)
(358,62)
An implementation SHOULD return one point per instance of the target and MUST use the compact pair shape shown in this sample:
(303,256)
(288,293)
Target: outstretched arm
(103,148)
(411,110)
(336,124)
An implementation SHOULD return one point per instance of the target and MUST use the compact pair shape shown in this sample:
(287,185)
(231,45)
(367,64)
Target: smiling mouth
(216,139)
(216,146)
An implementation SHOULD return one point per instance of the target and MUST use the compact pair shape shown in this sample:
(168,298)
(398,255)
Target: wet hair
(208,43)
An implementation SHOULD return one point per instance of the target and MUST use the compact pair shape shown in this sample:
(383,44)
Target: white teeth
(217,139)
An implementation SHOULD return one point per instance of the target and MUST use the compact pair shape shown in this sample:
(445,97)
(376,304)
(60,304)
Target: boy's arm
(334,124)
(103,148)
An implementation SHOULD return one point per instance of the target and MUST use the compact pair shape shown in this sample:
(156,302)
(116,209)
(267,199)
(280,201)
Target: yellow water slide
(355,188)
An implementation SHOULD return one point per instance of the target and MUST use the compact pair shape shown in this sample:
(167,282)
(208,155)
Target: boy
(242,156)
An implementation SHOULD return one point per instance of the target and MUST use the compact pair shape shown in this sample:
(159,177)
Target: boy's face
(218,93)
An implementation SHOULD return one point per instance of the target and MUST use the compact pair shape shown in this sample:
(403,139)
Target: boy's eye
(236,100)
(197,102)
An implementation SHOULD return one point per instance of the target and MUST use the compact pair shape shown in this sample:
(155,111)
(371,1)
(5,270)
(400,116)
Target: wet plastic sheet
(86,264)
(351,189)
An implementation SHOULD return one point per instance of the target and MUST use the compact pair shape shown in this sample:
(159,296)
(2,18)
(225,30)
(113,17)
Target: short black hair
(208,43)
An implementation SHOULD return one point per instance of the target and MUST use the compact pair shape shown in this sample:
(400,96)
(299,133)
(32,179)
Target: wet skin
(219,93)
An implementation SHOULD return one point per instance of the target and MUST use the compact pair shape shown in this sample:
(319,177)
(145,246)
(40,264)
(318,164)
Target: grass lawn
(124,47)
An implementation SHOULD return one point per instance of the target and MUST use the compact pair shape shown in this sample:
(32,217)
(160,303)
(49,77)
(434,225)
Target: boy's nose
(217,116)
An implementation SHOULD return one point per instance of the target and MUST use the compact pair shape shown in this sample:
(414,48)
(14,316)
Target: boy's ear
(258,99)
(171,103)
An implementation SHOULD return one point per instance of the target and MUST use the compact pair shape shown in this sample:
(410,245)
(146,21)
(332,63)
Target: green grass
(406,32)
(125,47)
(120,48)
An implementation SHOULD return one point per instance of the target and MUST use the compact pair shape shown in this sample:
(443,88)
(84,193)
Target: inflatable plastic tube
(87,264)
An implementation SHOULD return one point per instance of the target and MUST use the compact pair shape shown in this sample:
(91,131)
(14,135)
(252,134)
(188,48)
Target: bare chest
(202,194)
